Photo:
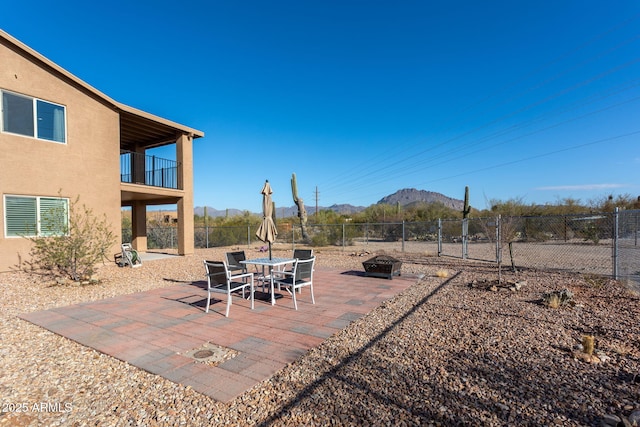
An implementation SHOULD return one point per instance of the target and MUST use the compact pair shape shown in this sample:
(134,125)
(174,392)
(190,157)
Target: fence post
(614,255)
(499,247)
(248,236)
(344,242)
(366,233)
(465,233)
(403,236)
(439,237)
(498,237)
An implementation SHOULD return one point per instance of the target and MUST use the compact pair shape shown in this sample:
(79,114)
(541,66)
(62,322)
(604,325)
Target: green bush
(227,236)
(319,240)
(74,251)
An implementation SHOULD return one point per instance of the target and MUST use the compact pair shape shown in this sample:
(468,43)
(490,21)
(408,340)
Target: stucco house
(61,139)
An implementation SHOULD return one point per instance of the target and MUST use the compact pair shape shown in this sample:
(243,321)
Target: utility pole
(317,196)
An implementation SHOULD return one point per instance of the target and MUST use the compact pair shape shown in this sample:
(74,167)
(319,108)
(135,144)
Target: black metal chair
(302,253)
(219,279)
(233,261)
(300,277)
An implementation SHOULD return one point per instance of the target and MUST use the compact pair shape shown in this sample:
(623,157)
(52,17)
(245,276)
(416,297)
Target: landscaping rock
(441,353)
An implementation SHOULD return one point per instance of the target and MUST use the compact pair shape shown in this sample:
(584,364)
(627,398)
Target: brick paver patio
(153,330)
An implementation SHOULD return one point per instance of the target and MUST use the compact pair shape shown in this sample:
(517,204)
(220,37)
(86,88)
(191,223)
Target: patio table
(271,263)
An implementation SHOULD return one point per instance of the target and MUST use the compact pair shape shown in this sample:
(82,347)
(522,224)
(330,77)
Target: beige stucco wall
(86,166)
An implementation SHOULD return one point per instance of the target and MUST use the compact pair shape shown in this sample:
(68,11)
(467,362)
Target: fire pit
(382,266)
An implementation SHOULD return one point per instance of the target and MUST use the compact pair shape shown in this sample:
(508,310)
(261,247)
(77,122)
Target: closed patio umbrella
(267,231)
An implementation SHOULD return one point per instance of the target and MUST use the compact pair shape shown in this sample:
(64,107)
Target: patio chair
(129,256)
(301,276)
(299,254)
(233,261)
(219,279)
(302,253)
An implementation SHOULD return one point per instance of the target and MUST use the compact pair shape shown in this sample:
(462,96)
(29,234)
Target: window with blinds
(26,216)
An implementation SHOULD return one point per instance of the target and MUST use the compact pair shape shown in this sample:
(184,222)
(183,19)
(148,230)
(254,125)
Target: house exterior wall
(87,166)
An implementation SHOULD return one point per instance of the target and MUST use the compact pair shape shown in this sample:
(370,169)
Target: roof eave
(185,129)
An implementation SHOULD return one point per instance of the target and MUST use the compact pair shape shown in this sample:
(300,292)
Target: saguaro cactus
(465,224)
(302,212)
(466,209)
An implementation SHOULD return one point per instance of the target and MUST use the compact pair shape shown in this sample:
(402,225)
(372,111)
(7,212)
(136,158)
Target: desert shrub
(552,300)
(162,236)
(200,237)
(595,280)
(319,239)
(392,233)
(556,299)
(227,236)
(127,235)
(590,233)
(79,243)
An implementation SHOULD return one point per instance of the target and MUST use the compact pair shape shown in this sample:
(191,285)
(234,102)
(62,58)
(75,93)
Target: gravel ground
(448,351)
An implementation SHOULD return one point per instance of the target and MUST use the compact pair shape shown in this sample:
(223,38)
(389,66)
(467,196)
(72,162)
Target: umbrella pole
(270,250)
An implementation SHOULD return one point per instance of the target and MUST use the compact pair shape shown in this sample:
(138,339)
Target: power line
(384,156)
(418,163)
(435,159)
(537,156)
(575,147)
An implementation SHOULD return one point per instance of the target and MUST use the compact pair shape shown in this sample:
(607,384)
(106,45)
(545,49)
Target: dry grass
(553,301)
(621,348)
(442,274)
(595,280)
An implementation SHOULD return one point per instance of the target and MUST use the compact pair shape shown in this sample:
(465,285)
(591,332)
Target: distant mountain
(214,213)
(345,209)
(406,197)
(281,212)
(409,196)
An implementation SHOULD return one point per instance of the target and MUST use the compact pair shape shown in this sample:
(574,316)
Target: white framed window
(28,116)
(29,216)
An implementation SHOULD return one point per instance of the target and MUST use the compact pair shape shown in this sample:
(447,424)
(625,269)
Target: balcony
(137,168)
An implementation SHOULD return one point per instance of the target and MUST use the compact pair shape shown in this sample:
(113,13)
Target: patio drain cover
(211,354)
(203,354)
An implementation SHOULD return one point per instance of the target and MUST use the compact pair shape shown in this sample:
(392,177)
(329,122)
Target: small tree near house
(71,243)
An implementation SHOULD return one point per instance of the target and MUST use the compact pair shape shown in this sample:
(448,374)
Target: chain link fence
(627,251)
(602,244)
(579,243)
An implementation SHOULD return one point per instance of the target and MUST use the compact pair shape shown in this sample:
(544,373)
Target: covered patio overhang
(141,131)
(143,185)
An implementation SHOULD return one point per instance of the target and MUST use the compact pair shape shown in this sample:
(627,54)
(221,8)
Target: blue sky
(531,100)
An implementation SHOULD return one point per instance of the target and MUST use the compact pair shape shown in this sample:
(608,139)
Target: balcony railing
(137,168)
